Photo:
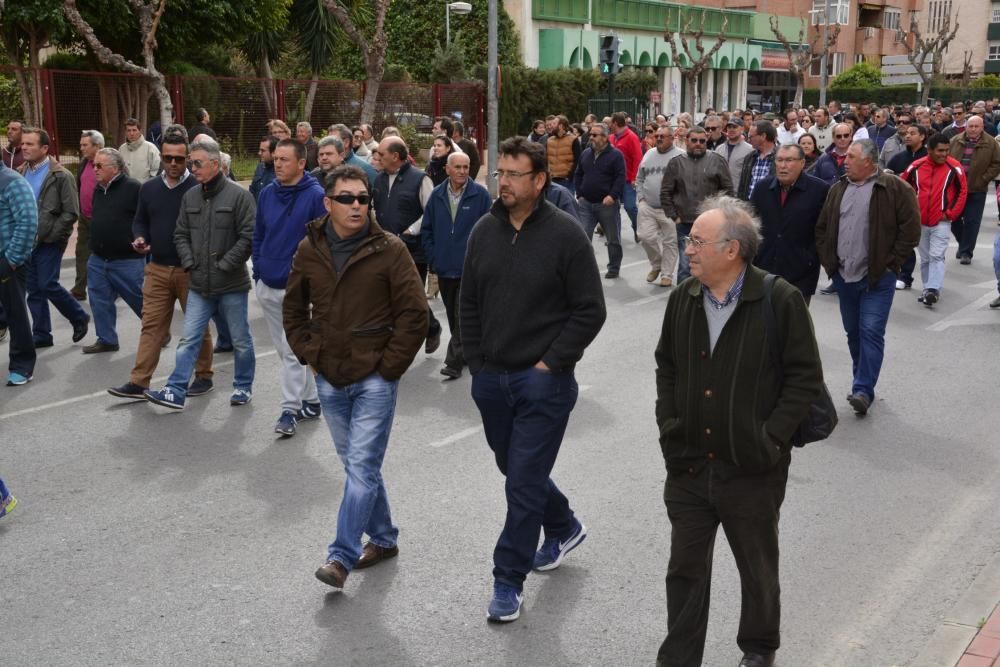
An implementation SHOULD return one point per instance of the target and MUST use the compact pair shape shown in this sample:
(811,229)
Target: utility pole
(824,73)
(492,115)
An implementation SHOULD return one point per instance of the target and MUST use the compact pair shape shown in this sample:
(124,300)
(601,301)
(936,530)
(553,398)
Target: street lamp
(458,8)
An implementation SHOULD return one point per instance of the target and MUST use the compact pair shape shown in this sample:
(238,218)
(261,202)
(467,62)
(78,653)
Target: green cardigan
(728,407)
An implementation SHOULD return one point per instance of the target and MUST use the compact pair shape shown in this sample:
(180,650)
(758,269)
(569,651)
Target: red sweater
(628,144)
(941,189)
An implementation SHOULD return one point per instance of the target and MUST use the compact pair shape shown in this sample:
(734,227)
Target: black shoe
(451,373)
(965,259)
(79,296)
(80,329)
(218,349)
(829,289)
(166,341)
(757,660)
(995,303)
(129,390)
(930,297)
(860,403)
(611,275)
(99,347)
(433,343)
(39,344)
(200,387)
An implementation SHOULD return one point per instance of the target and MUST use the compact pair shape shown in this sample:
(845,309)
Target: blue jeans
(683,263)
(200,309)
(43,286)
(865,313)
(966,228)
(631,208)
(222,337)
(996,259)
(933,248)
(4,491)
(359,417)
(610,221)
(108,279)
(525,415)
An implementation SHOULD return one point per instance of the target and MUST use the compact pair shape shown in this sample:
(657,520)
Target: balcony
(993,31)
(655,16)
(567,11)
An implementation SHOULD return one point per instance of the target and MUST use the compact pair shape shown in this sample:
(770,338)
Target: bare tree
(695,66)
(920,48)
(801,59)
(372,49)
(966,68)
(149,13)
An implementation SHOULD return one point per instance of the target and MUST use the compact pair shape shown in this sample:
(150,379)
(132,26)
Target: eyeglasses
(904,122)
(505,173)
(711,129)
(198,164)
(649,131)
(692,140)
(348,200)
(699,244)
(98,165)
(661,136)
(176,159)
(842,136)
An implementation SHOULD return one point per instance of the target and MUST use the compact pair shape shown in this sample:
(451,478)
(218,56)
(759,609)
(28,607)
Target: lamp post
(458,8)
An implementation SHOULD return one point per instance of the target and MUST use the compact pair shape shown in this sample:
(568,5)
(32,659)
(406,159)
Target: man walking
(18,225)
(213,239)
(689,180)
(735,149)
(165,282)
(284,209)
(351,281)
(916,137)
(627,141)
(264,173)
(867,229)
(115,267)
(790,131)
(895,144)
(939,181)
(58,209)
(142,158)
(758,166)
(726,420)
(562,152)
(657,232)
(979,154)
(830,165)
(91,141)
(600,186)
(304,134)
(452,210)
(788,204)
(822,129)
(531,303)
(11,154)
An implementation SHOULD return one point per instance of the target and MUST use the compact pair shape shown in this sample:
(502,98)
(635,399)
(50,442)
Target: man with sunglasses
(355,312)
(600,186)
(165,282)
(895,144)
(830,165)
(713,126)
(213,239)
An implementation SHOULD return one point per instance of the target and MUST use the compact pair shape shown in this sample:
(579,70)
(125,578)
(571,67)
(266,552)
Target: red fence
(73,101)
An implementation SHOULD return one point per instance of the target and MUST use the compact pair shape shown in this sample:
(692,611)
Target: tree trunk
(267,87)
(375,67)
(310,97)
(800,84)
(34,115)
(110,114)
(691,80)
(925,89)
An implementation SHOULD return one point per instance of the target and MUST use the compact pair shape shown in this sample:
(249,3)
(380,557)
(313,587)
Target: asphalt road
(146,537)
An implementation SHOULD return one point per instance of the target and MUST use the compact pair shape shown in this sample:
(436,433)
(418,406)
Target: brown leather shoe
(665,281)
(333,574)
(373,554)
(99,347)
(652,275)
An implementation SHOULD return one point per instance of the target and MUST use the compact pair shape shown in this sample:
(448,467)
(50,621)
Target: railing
(568,11)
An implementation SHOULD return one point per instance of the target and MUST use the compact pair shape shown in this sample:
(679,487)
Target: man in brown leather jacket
(355,312)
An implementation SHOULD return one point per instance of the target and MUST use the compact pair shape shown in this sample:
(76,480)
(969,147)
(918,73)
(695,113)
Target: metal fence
(73,101)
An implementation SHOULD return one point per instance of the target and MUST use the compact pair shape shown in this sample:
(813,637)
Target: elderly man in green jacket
(727,416)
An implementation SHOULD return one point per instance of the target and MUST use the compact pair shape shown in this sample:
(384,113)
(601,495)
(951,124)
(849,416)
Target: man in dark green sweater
(726,420)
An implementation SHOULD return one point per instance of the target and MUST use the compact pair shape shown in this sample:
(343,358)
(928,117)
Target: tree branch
(103,53)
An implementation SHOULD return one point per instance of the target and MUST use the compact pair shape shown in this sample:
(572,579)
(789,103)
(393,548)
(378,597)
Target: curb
(964,622)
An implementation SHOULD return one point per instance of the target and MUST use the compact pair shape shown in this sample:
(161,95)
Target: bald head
(392,153)
(974,128)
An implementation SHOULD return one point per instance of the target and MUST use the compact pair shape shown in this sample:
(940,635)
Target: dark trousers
(433,326)
(748,507)
(82,255)
(906,272)
(450,288)
(525,415)
(15,308)
(966,228)
(43,287)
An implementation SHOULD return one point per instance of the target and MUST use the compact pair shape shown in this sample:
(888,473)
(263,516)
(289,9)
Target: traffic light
(610,51)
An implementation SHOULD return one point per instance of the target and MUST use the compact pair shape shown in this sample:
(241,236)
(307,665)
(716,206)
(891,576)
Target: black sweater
(530,295)
(156,218)
(111,227)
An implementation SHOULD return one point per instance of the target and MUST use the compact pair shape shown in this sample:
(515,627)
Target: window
(890,21)
(859,58)
(994,52)
(995,17)
(870,32)
(835,65)
(840,12)
(938,13)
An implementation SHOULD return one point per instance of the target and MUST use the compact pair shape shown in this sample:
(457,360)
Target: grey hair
(331,140)
(741,224)
(869,150)
(307,126)
(390,131)
(95,137)
(602,127)
(346,135)
(225,160)
(116,159)
(209,146)
(799,153)
(454,153)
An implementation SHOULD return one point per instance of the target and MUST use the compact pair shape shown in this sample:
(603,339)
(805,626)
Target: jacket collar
(799,184)
(753,285)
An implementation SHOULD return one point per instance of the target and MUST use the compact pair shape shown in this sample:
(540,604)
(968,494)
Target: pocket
(373,331)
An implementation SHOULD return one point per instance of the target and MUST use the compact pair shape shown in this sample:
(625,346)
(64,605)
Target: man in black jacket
(531,303)
(114,268)
(600,188)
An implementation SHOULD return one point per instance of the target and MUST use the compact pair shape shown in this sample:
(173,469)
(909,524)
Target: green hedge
(530,94)
(899,94)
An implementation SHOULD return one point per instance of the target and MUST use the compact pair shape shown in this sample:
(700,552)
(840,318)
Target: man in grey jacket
(214,236)
(689,180)
(58,209)
(657,233)
(735,149)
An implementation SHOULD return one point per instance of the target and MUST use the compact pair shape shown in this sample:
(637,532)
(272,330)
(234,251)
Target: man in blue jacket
(284,208)
(452,209)
(18,224)
(600,186)
(264,173)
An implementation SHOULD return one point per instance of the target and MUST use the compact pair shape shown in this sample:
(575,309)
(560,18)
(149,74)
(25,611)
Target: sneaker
(240,397)
(332,574)
(965,259)
(165,397)
(200,387)
(506,603)
(129,390)
(16,379)
(552,552)
(286,424)
(995,303)
(930,297)
(7,505)
(652,276)
(80,329)
(665,281)
(309,410)
(901,285)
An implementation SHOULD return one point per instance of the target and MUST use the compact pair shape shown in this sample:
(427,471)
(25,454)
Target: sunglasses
(348,200)
(696,141)
(198,164)
(176,159)
(842,136)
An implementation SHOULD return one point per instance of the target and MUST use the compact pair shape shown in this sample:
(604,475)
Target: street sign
(897,70)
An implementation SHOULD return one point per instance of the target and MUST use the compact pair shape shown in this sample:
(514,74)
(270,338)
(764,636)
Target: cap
(734,123)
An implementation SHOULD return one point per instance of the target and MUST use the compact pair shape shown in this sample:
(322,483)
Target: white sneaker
(900,284)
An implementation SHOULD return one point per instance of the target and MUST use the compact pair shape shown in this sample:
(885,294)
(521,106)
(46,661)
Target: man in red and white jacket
(941,188)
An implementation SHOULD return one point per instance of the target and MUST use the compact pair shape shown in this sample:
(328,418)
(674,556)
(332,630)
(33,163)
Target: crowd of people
(338,237)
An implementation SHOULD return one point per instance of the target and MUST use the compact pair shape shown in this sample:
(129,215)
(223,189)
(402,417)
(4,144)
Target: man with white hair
(304,135)
(727,413)
(979,154)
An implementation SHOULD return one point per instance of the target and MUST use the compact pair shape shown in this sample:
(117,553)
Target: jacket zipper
(510,265)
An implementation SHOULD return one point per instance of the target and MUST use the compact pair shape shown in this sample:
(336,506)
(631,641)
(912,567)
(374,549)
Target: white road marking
(649,299)
(96,394)
(966,316)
